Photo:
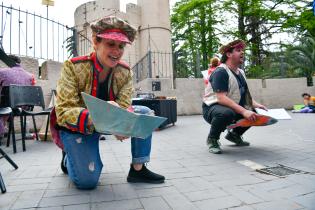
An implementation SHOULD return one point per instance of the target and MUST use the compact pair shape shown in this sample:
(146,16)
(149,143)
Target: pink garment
(15,75)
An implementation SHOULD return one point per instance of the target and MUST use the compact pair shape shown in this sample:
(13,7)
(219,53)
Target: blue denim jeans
(83,158)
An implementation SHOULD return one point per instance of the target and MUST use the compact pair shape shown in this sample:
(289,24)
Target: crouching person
(227,98)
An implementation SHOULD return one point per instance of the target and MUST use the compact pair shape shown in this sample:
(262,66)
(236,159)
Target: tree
(304,22)
(258,21)
(302,57)
(193,25)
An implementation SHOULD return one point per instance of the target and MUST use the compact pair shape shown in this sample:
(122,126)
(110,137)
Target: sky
(62,11)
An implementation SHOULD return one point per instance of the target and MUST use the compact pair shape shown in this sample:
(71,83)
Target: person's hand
(121,138)
(260,106)
(113,103)
(250,115)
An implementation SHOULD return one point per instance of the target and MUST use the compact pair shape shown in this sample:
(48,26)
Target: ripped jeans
(83,159)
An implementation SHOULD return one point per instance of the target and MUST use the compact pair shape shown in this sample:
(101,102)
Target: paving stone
(307,201)
(277,205)
(205,194)
(239,181)
(21,181)
(64,200)
(27,187)
(191,184)
(102,193)
(243,195)
(59,182)
(8,199)
(154,203)
(157,191)
(28,199)
(218,203)
(241,208)
(64,192)
(275,184)
(293,191)
(178,202)
(77,207)
(118,205)
(50,208)
(124,191)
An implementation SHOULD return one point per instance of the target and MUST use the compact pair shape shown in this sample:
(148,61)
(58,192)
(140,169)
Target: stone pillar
(87,13)
(155,35)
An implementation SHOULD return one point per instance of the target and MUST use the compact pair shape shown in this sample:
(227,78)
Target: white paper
(279,114)
(110,119)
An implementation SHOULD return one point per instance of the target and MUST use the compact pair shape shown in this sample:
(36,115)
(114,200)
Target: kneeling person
(104,76)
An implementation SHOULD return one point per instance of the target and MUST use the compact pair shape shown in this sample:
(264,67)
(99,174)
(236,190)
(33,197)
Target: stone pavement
(196,179)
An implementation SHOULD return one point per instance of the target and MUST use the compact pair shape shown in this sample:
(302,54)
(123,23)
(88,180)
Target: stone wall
(29,64)
(274,93)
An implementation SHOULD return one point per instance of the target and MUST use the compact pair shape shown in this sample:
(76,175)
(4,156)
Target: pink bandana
(114,34)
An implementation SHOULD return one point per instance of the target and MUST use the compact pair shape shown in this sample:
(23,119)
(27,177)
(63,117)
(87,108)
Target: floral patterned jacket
(81,74)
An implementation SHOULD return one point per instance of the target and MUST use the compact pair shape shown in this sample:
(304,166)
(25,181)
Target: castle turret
(150,17)
(155,35)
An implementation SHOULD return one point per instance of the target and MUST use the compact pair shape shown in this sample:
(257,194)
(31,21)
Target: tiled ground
(196,179)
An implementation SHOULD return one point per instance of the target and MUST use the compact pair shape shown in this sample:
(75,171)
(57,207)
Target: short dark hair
(15,58)
(224,56)
(306,94)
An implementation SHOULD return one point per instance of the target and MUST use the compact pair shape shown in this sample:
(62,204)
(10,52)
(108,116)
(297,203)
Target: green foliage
(302,57)
(71,45)
(302,19)
(198,26)
(194,39)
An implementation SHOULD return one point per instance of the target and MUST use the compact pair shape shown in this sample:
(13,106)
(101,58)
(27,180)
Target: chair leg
(2,186)
(47,124)
(23,125)
(8,159)
(35,128)
(13,134)
(9,132)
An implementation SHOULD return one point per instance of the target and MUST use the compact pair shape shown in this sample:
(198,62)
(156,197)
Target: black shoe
(144,175)
(237,139)
(214,146)
(64,163)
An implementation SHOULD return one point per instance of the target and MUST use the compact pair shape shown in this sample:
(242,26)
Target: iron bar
(34,45)
(2,25)
(26,29)
(40,37)
(11,31)
(15,45)
(19,31)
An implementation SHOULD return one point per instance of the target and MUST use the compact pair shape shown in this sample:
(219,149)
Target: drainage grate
(280,171)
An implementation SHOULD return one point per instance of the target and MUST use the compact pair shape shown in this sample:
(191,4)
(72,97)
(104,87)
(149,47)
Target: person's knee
(143,110)
(86,177)
(226,114)
(87,182)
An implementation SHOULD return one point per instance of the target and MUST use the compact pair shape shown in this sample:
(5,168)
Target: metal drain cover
(280,171)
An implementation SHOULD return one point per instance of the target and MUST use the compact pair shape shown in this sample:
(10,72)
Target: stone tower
(150,17)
